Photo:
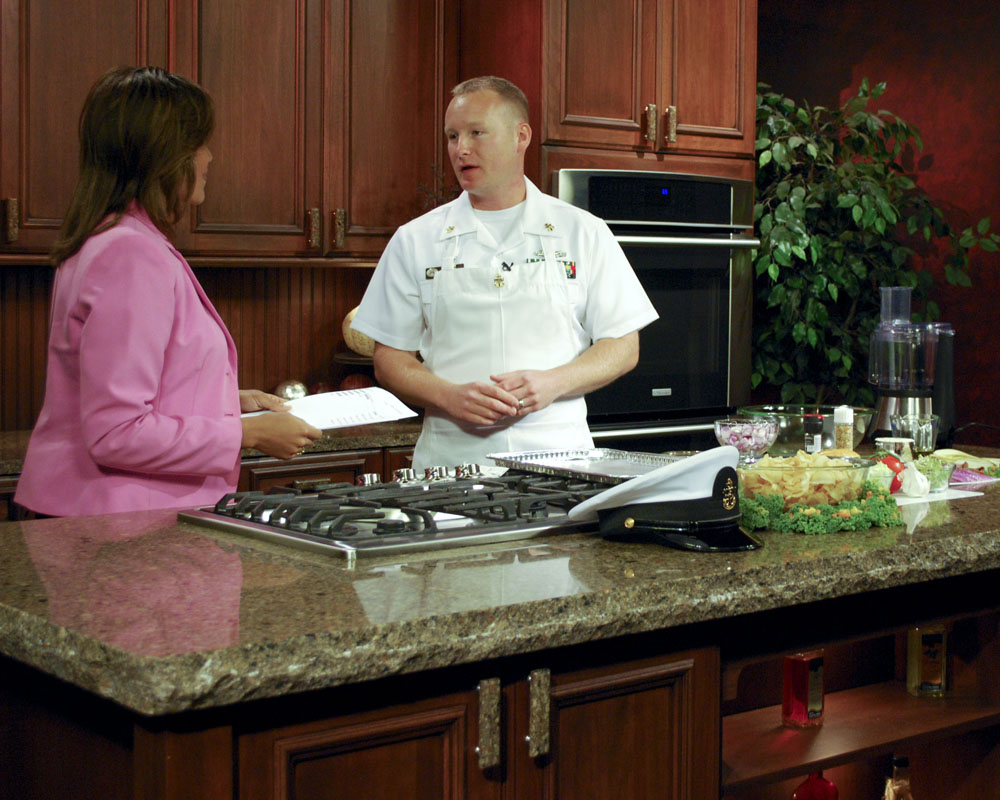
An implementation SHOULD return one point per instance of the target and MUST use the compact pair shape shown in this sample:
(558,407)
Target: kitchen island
(146,658)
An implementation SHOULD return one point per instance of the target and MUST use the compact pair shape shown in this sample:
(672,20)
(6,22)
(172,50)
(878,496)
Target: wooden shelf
(858,723)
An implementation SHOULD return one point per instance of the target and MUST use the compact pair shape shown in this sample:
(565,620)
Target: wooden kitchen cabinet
(640,729)
(329,121)
(328,115)
(50,54)
(343,466)
(664,76)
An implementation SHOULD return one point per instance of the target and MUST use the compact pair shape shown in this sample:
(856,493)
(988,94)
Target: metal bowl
(791,434)
(832,481)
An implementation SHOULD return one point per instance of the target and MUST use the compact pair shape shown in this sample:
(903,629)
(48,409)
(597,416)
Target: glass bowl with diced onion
(751,436)
(810,479)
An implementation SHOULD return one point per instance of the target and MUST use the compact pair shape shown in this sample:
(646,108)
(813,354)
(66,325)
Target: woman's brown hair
(139,130)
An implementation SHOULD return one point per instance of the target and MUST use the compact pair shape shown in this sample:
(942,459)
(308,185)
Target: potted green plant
(837,217)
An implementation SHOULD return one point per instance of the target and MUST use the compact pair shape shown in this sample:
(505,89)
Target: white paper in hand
(352,407)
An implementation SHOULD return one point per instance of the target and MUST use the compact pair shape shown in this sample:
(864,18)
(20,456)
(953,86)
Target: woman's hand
(278,434)
(256,400)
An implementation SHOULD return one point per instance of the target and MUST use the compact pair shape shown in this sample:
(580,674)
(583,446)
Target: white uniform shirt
(604,298)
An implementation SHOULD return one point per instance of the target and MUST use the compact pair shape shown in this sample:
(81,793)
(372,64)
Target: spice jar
(843,428)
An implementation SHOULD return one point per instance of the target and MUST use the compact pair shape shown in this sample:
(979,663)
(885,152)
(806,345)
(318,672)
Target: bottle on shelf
(898,786)
(816,787)
(926,661)
(802,689)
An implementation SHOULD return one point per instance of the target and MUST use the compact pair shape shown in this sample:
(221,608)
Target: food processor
(911,365)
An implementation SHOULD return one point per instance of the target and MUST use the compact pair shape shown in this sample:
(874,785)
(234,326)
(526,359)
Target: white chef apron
(490,318)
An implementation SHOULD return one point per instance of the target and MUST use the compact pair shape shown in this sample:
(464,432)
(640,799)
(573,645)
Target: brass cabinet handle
(671,124)
(339,227)
(314,233)
(651,123)
(11,219)
(489,723)
(539,704)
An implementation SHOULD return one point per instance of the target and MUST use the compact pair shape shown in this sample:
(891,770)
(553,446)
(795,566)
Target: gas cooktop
(445,508)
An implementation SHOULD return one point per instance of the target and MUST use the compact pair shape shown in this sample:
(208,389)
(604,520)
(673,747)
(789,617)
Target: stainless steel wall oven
(689,240)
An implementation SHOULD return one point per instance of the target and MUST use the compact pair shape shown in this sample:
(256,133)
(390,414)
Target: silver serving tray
(595,464)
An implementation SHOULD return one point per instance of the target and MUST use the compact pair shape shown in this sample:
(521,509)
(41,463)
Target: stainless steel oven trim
(679,241)
(652,223)
(637,433)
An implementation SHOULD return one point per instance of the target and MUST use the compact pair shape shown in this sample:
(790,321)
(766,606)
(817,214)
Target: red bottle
(816,787)
(802,690)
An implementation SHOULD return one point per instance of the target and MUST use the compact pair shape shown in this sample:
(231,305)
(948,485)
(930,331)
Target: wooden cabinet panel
(50,54)
(600,71)
(340,467)
(418,751)
(673,75)
(645,729)
(714,76)
(263,65)
(391,65)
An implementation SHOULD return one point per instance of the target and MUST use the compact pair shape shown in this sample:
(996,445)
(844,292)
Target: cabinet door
(263,64)
(712,78)
(343,467)
(654,75)
(51,52)
(600,61)
(643,729)
(420,751)
(391,65)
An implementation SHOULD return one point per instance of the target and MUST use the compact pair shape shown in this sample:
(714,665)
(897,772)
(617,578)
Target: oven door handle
(635,433)
(679,241)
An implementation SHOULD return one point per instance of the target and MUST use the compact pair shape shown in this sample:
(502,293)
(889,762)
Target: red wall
(941,62)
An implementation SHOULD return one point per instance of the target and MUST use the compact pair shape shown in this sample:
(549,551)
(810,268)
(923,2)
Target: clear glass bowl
(831,482)
(938,472)
(752,436)
(791,434)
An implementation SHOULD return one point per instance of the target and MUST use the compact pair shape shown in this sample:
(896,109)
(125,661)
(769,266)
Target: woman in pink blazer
(142,408)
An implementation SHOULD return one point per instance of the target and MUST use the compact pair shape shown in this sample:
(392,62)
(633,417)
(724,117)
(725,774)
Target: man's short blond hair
(508,92)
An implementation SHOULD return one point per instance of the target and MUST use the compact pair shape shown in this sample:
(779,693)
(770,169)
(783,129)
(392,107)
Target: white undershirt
(501,223)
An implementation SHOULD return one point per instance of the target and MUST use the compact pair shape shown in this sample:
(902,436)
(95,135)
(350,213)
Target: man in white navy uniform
(517,303)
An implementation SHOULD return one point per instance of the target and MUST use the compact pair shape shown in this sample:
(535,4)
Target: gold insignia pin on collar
(549,226)
(449,229)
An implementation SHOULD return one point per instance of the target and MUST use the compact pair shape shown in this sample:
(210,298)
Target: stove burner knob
(435,473)
(404,475)
(369,479)
(462,471)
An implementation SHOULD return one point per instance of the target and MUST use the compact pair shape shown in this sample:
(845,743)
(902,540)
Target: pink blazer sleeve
(157,369)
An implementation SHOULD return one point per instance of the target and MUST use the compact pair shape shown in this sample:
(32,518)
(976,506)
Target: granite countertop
(163,617)
(14,444)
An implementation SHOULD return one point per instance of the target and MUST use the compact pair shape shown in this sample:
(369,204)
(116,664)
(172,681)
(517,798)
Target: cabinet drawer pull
(489,723)
(339,227)
(538,712)
(314,231)
(671,124)
(651,123)
(11,220)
